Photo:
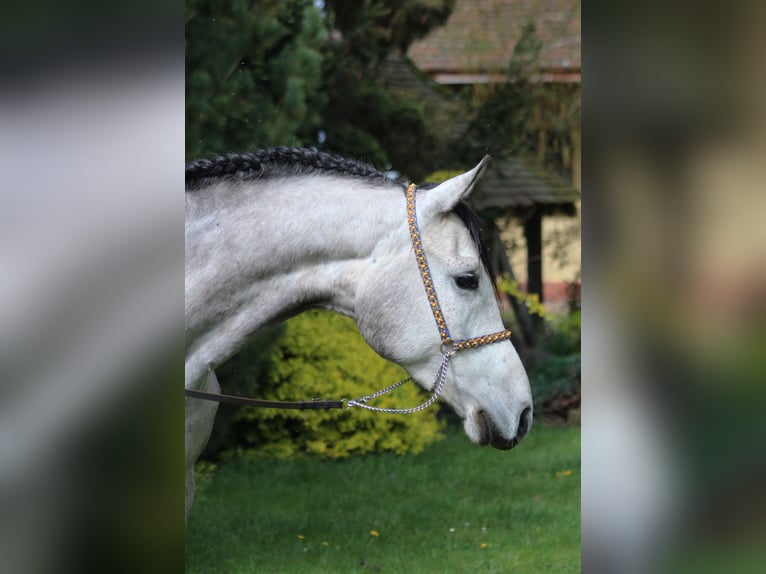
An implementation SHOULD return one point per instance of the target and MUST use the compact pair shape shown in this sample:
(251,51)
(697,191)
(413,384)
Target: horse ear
(443,197)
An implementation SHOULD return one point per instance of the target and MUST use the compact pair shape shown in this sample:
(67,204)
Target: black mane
(473,224)
(276,162)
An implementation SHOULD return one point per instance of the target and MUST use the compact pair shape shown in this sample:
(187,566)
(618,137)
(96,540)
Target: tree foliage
(379,26)
(363,119)
(253,74)
(290,73)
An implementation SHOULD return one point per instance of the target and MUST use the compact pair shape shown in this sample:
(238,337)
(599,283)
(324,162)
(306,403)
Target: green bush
(555,379)
(562,334)
(241,375)
(555,383)
(322,354)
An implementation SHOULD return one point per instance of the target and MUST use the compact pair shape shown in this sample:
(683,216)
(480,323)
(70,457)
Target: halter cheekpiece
(433,300)
(448,347)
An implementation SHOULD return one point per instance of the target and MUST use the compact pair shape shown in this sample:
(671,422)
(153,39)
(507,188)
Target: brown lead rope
(317,404)
(247,402)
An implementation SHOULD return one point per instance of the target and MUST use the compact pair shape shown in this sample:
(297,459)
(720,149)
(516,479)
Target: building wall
(561,255)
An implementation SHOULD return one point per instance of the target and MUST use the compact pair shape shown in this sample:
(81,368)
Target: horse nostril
(525,423)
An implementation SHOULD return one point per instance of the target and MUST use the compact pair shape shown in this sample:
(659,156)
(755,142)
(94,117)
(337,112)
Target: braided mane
(286,161)
(276,162)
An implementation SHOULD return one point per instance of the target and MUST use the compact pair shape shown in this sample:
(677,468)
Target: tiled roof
(509,184)
(514,184)
(476,43)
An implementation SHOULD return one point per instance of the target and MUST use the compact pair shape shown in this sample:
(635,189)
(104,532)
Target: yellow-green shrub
(321,354)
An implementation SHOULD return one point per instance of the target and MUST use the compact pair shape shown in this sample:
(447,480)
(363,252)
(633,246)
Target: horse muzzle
(490,433)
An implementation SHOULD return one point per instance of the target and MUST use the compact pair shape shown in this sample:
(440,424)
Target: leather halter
(452,345)
(433,300)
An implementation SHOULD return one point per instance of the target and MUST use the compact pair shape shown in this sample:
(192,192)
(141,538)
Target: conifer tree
(253,74)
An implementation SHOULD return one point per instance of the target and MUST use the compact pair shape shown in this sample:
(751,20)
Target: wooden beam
(533,231)
(502,265)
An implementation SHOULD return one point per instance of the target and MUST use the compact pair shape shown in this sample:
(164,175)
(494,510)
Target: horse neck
(262,251)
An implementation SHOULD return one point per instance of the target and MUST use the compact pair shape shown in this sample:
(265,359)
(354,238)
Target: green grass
(456,508)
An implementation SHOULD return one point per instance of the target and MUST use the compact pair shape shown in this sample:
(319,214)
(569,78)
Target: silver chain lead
(441,376)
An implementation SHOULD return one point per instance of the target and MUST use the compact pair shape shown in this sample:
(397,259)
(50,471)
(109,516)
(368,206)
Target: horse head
(487,386)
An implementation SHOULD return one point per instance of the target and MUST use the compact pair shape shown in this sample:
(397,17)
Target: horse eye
(467,281)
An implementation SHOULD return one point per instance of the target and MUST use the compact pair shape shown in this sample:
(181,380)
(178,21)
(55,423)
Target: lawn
(456,508)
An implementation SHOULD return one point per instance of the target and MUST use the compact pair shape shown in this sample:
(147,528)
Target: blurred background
(673,346)
(674,135)
(91,304)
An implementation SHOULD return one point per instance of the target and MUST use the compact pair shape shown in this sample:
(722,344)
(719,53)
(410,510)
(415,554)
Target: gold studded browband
(433,300)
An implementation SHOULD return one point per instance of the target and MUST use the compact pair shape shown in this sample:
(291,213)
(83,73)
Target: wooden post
(533,231)
(501,265)
(537,115)
(574,134)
